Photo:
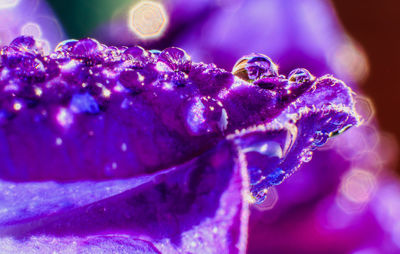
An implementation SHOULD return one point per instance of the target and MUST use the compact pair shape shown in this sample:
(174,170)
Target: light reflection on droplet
(31,29)
(356,189)
(123,147)
(270,200)
(148,19)
(59,141)
(8,3)
(106,93)
(17,106)
(64,117)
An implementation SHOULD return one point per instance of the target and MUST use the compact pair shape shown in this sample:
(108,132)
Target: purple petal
(94,244)
(198,206)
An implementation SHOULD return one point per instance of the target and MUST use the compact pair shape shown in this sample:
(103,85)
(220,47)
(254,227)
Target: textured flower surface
(136,151)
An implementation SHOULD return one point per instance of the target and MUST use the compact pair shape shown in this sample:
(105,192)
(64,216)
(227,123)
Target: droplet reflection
(255,66)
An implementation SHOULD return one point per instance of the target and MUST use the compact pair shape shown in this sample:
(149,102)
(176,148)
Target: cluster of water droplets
(84,74)
(262,71)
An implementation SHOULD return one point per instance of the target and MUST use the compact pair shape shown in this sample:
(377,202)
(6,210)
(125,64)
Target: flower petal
(199,206)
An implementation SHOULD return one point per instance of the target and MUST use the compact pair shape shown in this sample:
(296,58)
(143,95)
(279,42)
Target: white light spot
(38,91)
(59,141)
(148,19)
(114,165)
(106,93)
(123,147)
(65,117)
(17,106)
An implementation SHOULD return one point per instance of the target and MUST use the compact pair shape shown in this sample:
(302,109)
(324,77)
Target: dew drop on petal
(174,59)
(86,47)
(23,42)
(66,45)
(320,138)
(255,66)
(306,155)
(300,75)
(270,200)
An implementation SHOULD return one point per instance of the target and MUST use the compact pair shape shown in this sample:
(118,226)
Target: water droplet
(137,54)
(276,177)
(255,66)
(23,42)
(66,45)
(300,75)
(258,195)
(86,47)
(320,138)
(306,155)
(174,59)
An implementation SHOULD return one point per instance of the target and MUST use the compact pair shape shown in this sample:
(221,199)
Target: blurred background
(347,199)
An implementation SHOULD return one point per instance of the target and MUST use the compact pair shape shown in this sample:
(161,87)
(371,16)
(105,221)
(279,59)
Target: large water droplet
(86,47)
(137,54)
(255,66)
(300,75)
(23,42)
(66,45)
(174,59)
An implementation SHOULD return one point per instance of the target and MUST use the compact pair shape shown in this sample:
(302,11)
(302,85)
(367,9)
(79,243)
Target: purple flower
(131,150)
(344,199)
